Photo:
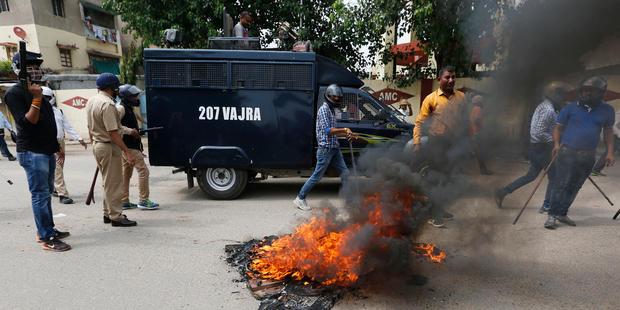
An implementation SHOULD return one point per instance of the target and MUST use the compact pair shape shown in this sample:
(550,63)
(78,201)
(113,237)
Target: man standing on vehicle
(241,28)
(105,130)
(575,138)
(444,113)
(329,149)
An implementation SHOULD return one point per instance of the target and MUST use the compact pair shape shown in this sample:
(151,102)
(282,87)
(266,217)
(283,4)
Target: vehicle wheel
(222,183)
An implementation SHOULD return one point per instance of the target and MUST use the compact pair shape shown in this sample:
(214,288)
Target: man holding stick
(541,142)
(105,130)
(575,138)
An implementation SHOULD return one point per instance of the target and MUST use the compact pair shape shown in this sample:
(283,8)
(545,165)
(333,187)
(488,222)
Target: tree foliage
(447,29)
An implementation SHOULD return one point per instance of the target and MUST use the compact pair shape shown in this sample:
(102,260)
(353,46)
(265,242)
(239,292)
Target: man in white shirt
(62,124)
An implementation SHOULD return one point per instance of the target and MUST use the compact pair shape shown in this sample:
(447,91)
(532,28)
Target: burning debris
(315,264)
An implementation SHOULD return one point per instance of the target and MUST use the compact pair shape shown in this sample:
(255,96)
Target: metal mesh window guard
(187,74)
(271,76)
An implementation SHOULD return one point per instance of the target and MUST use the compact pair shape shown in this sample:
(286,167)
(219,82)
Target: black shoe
(487,172)
(59,235)
(106,220)
(436,222)
(55,193)
(564,219)
(124,223)
(12,158)
(56,245)
(65,200)
(543,210)
(447,216)
(499,197)
(550,223)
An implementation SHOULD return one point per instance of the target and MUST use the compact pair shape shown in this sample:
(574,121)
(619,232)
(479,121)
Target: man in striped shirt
(329,149)
(541,142)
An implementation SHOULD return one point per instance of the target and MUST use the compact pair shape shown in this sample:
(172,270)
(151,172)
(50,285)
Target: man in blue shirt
(575,138)
(329,149)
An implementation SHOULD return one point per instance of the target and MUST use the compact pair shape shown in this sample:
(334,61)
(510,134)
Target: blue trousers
(572,170)
(540,157)
(3,147)
(40,173)
(326,157)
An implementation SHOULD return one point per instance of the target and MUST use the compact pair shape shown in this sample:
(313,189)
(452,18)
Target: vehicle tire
(222,183)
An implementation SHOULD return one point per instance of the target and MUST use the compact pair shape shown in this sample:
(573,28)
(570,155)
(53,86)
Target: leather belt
(542,143)
(103,142)
(582,153)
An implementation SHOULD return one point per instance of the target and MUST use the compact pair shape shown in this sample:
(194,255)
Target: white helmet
(48,92)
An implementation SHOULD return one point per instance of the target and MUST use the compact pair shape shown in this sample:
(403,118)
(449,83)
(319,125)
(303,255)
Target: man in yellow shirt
(445,117)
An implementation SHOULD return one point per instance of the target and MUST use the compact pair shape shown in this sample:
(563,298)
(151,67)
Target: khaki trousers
(59,175)
(108,157)
(143,176)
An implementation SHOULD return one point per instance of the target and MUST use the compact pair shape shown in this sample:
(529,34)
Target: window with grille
(10,51)
(357,108)
(65,58)
(4,5)
(59,7)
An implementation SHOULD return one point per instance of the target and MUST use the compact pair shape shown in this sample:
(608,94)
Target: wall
(71,22)
(20,14)
(7,35)
(75,116)
(51,54)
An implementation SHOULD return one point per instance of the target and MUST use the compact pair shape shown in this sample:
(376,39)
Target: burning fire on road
(331,252)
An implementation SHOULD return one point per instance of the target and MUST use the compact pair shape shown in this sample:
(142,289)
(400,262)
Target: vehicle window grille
(367,111)
(349,107)
(187,74)
(271,76)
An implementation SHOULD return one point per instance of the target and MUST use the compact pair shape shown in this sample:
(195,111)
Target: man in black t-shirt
(36,148)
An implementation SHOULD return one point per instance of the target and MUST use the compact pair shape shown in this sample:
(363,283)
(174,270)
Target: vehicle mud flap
(190,178)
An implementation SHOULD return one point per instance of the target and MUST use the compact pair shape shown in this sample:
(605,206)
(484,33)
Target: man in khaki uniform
(105,130)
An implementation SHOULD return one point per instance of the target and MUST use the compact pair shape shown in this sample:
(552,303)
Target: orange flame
(429,250)
(329,252)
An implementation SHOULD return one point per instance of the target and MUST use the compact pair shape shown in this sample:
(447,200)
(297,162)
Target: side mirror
(383,115)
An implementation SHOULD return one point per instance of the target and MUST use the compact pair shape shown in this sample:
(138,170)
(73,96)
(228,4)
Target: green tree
(449,30)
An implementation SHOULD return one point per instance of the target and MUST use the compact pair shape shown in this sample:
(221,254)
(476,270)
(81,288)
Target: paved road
(173,258)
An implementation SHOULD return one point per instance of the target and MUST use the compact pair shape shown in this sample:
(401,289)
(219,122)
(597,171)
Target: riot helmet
(126,91)
(49,94)
(106,80)
(334,90)
(33,67)
(556,91)
(592,90)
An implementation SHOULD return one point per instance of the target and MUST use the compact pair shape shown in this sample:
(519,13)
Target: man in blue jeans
(329,149)
(541,142)
(575,138)
(36,148)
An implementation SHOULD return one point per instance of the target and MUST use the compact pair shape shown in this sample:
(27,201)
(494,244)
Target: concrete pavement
(173,258)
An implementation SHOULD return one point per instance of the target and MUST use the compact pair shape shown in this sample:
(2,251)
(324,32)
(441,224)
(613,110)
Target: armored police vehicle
(230,115)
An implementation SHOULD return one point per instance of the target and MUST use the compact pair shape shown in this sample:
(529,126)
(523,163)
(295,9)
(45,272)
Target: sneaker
(129,205)
(436,222)
(566,220)
(487,172)
(550,223)
(447,216)
(65,200)
(597,174)
(59,235)
(148,205)
(544,209)
(55,245)
(301,203)
(499,197)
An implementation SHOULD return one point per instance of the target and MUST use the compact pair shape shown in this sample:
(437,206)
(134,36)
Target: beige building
(75,37)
